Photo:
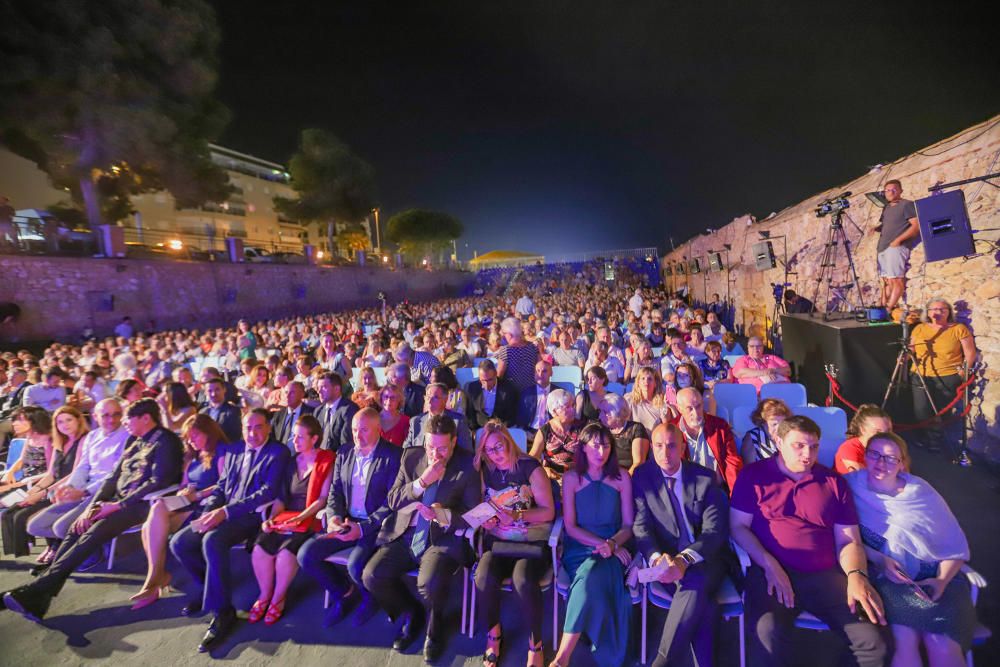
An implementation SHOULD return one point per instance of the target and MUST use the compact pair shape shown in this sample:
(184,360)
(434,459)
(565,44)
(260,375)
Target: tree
(114,98)
(419,232)
(352,237)
(330,181)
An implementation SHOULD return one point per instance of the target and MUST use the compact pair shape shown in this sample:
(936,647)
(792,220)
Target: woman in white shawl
(916,548)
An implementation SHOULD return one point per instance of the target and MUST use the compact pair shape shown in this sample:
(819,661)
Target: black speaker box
(944,226)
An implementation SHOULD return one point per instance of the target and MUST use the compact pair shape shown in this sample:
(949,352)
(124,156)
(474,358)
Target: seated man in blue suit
(225,414)
(490,398)
(693,547)
(252,477)
(532,413)
(355,508)
(435,400)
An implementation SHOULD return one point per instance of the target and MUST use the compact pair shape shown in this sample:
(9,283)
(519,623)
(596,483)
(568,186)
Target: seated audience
(676,353)
(598,511)
(177,406)
(532,408)
(367,394)
(151,462)
(35,426)
(758,368)
(556,442)
(917,550)
(516,360)
(393,424)
(251,478)
(730,346)
(683,529)
(292,520)
(68,428)
(221,411)
(398,375)
(491,398)
(713,367)
(797,521)
(427,508)
(567,354)
(334,411)
(612,367)
(204,451)
(100,450)
(713,329)
(761,442)
(647,402)
(515,542)
(457,400)
(436,397)
(49,394)
(588,401)
(356,505)
(631,439)
(284,419)
(710,440)
(866,422)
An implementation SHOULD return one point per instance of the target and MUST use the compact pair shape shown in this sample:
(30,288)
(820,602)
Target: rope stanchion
(835,392)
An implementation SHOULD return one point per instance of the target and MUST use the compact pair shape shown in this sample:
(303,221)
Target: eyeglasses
(495,449)
(875,457)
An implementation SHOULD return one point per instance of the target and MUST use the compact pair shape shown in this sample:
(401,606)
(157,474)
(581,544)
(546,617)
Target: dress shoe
(413,623)
(433,650)
(38,570)
(339,609)
(366,610)
(192,608)
(32,605)
(220,626)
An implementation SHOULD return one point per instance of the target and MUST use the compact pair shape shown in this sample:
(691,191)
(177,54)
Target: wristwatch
(688,560)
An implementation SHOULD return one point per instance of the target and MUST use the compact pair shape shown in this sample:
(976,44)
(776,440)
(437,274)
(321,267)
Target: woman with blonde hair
(204,448)
(648,404)
(515,538)
(367,395)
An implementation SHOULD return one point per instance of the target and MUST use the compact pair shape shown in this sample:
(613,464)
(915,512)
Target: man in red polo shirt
(797,521)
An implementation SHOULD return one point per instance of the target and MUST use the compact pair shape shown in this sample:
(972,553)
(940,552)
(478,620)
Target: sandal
(257,611)
(491,659)
(534,651)
(274,612)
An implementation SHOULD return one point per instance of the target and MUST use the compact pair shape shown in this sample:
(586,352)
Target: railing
(625,253)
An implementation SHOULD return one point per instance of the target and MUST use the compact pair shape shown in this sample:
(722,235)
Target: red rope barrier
(835,392)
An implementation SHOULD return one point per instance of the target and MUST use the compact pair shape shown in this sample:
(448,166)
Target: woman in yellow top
(943,351)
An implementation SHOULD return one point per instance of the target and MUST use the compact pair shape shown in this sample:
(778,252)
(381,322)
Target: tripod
(904,363)
(829,261)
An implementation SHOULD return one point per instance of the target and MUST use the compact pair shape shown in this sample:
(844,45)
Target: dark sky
(568,126)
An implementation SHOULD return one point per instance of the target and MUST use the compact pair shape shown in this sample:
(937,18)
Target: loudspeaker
(944,226)
(695,266)
(715,261)
(763,255)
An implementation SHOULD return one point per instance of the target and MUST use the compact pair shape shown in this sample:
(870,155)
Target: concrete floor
(91,623)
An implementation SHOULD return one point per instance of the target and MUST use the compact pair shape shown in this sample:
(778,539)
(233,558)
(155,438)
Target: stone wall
(972,284)
(60,296)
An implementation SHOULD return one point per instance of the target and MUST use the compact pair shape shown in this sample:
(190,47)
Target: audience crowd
(444,438)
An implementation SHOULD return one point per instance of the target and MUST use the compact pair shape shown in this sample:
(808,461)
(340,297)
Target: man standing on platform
(900,233)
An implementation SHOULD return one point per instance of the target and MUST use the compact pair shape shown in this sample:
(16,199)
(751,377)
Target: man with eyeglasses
(758,368)
(797,521)
(96,460)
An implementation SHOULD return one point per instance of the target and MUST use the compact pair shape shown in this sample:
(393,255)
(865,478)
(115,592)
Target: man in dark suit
(532,413)
(436,485)
(335,412)
(284,418)
(490,398)
(398,376)
(355,508)
(435,399)
(151,461)
(682,525)
(225,414)
(252,477)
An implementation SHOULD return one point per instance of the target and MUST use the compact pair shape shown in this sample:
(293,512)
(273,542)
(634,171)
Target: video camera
(833,204)
(778,289)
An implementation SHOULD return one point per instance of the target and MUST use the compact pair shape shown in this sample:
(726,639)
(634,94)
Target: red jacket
(720,439)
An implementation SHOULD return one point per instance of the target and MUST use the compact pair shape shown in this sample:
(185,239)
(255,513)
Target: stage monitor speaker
(695,266)
(763,254)
(715,261)
(944,226)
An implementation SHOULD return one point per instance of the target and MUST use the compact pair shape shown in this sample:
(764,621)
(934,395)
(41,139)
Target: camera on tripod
(833,205)
(778,290)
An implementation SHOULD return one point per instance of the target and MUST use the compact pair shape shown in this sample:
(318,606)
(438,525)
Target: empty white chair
(572,375)
(465,376)
(740,420)
(730,396)
(616,388)
(792,393)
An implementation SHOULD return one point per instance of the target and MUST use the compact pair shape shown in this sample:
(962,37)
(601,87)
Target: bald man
(355,508)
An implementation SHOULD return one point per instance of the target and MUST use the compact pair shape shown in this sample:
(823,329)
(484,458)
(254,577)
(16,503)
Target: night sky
(561,127)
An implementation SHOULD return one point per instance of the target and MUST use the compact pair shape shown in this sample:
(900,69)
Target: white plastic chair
(740,420)
(832,423)
(730,396)
(792,393)
(616,388)
(572,375)
(728,599)
(465,376)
